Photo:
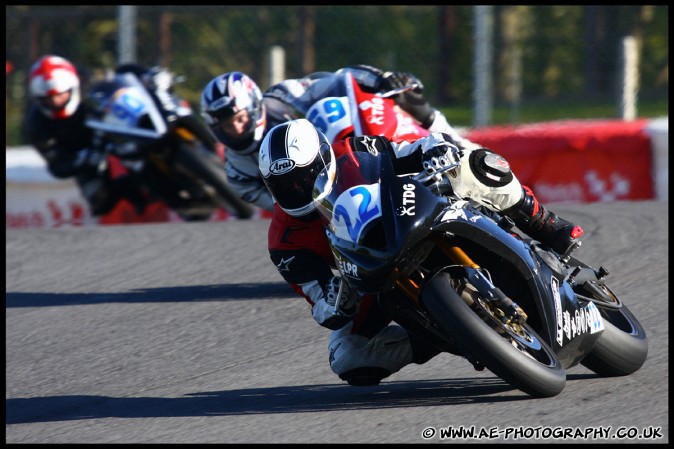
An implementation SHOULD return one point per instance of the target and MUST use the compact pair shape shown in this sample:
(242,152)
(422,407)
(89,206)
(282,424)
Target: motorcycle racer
(290,99)
(55,126)
(240,115)
(364,346)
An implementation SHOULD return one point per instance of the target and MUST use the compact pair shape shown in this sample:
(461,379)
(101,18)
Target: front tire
(520,358)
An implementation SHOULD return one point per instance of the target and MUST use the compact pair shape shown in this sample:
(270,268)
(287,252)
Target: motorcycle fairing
(567,326)
(354,210)
(130,111)
(371,242)
(378,115)
(332,116)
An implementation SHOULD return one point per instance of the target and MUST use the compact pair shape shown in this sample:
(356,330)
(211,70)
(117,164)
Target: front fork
(511,312)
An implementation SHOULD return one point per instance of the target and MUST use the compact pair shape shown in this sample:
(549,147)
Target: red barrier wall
(576,161)
(566,161)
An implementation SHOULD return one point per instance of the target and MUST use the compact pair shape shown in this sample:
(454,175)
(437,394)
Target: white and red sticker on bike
(585,319)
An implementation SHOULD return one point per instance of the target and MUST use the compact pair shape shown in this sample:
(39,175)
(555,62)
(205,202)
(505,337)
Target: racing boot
(546,227)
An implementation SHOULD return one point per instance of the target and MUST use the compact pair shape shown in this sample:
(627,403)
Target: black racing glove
(395,80)
(411,101)
(438,152)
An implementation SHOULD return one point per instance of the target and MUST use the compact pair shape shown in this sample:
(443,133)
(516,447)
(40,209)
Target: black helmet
(224,96)
(292,155)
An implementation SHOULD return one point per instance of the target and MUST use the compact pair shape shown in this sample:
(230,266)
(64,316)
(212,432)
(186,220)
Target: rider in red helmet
(55,126)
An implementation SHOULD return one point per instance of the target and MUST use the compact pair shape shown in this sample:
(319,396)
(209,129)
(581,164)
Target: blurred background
(480,64)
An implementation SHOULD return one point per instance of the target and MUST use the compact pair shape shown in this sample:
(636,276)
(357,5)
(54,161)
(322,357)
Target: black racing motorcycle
(460,278)
(141,122)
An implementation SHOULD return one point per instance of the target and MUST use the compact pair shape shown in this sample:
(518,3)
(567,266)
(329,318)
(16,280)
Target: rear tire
(622,348)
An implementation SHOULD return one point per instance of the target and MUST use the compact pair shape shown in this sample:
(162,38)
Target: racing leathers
(291,99)
(367,347)
(67,146)
(244,176)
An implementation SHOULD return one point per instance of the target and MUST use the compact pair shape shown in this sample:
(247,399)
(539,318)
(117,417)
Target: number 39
(333,110)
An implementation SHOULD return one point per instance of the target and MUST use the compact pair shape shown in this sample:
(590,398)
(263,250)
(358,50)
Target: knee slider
(490,168)
(365,376)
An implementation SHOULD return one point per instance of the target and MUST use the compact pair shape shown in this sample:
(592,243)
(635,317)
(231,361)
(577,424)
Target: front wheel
(516,353)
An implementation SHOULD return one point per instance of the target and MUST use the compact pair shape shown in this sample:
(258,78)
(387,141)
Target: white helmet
(292,155)
(224,96)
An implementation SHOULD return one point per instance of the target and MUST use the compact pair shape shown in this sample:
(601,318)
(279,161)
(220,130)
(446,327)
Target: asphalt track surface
(185,333)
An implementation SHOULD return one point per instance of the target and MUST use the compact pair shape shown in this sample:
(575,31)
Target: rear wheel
(622,347)
(514,352)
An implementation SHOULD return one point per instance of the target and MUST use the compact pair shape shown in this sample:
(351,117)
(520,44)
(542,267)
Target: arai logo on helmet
(281,166)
